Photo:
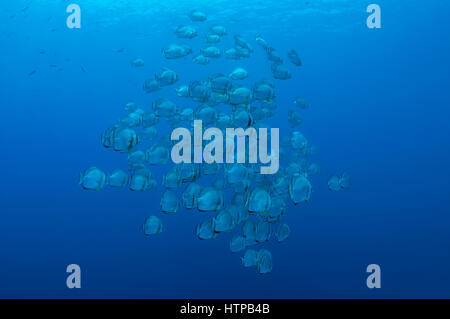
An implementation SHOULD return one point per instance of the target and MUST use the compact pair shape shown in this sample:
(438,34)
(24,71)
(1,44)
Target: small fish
(83,69)
(52,65)
(120,50)
(294,58)
(31,73)
(137,62)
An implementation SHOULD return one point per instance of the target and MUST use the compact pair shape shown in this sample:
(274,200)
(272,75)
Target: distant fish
(261,42)
(31,73)
(121,50)
(42,51)
(185,31)
(175,51)
(137,62)
(212,38)
(197,15)
(238,74)
(200,59)
(52,65)
(83,69)
(25,9)
(210,52)
(218,30)
(294,58)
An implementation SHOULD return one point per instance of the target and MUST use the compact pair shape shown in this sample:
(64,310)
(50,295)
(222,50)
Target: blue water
(379,109)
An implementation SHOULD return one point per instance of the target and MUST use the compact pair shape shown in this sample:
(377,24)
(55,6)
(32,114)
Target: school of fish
(253,215)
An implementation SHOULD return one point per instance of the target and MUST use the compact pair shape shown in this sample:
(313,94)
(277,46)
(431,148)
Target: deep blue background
(379,109)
